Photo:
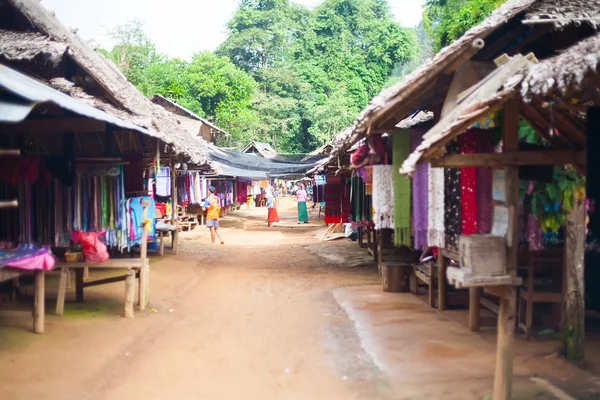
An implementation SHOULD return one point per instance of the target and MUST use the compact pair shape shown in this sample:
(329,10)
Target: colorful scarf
(401,150)
(420,197)
(468,184)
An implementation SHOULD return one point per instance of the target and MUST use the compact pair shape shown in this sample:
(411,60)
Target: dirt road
(254,319)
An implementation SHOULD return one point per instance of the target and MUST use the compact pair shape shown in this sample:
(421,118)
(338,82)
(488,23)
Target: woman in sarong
(302,197)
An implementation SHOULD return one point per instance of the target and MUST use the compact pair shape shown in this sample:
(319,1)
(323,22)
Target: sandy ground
(272,314)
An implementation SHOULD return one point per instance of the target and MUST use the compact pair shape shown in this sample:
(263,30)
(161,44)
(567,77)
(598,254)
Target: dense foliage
(446,20)
(285,75)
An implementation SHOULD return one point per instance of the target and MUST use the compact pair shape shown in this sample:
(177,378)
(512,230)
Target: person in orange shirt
(213,205)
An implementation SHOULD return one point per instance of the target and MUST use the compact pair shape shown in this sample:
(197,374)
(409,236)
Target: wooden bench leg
(431,292)
(39,302)
(143,294)
(474,309)
(86,274)
(62,289)
(79,285)
(69,278)
(129,293)
(161,235)
(528,317)
(14,289)
(442,285)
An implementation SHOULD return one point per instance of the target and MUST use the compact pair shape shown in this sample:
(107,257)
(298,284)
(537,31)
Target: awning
(35,92)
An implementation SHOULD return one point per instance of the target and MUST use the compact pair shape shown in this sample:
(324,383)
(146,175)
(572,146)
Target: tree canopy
(286,75)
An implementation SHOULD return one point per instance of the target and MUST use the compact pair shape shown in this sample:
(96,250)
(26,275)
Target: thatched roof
(118,89)
(181,110)
(18,46)
(564,73)
(403,98)
(563,13)
(420,118)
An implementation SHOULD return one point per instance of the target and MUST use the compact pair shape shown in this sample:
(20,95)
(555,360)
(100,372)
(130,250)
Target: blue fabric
(137,210)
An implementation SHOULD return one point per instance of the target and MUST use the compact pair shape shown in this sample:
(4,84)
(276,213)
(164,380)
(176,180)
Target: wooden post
(143,289)
(174,222)
(574,324)
(508,302)
(161,248)
(129,293)
(442,287)
(474,309)
(39,302)
(86,274)
(62,290)
(394,277)
(79,285)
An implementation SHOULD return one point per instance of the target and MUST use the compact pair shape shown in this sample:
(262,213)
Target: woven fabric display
(468,184)
(401,150)
(419,191)
(452,205)
(383,197)
(435,219)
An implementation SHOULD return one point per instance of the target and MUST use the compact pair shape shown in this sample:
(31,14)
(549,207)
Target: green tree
(447,20)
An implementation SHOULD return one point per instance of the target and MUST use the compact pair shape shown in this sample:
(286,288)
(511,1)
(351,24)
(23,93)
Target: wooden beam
(508,303)
(55,126)
(10,152)
(511,158)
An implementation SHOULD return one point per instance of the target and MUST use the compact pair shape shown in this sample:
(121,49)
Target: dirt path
(254,319)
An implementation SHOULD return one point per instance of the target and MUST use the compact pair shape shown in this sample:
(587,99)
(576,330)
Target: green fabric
(302,212)
(401,151)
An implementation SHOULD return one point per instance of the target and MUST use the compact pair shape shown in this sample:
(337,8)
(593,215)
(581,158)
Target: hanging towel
(402,234)
(383,197)
(420,196)
(163,182)
(468,184)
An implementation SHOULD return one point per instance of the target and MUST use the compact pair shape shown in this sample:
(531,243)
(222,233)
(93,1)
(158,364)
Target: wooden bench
(136,267)
(427,274)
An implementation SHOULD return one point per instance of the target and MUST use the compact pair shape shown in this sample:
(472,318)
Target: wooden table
(39,298)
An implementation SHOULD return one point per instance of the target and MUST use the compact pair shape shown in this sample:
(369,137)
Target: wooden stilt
(143,289)
(129,294)
(574,324)
(508,302)
(62,290)
(474,309)
(442,286)
(39,302)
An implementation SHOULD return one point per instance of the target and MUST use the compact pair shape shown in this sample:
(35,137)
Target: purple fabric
(534,234)
(419,193)
(485,202)
(28,256)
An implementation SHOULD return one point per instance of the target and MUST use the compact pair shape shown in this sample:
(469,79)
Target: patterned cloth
(383,197)
(452,205)
(468,184)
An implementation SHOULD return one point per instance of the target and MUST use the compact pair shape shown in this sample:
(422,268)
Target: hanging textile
(419,194)
(134,172)
(401,150)
(452,205)
(163,182)
(468,184)
(593,177)
(383,197)
(337,200)
(485,202)
(356,198)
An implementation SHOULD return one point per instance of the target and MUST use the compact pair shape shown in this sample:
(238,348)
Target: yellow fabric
(213,208)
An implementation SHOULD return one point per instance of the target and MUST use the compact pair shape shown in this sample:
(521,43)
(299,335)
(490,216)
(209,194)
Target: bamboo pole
(39,302)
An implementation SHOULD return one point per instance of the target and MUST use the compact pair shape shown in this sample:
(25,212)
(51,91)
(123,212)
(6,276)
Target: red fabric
(468,184)
(272,216)
(337,200)
(162,208)
(359,154)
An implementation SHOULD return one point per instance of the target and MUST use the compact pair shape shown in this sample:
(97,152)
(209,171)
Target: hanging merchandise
(468,184)
(452,201)
(383,197)
(420,194)
(136,230)
(485,202)
(163,182)
(242,192)
(357,192)
(319,189)
(337,200)
(401,150)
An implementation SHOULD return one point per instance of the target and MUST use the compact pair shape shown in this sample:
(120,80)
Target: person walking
(213,205)
(302,197)
(272,215)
